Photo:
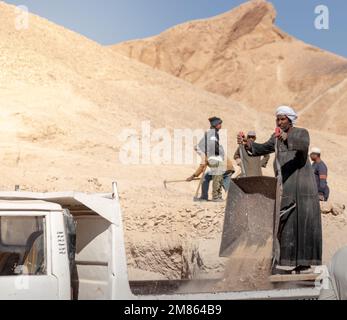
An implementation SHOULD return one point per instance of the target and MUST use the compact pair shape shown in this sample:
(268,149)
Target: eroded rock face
(176,245)
(185,245)
(198,44)
(242,55)
(167,256)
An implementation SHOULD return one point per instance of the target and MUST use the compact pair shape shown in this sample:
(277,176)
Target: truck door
(25,261)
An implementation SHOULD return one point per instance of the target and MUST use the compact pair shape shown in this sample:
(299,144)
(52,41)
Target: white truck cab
(33,251)
(61,246)
(70,245)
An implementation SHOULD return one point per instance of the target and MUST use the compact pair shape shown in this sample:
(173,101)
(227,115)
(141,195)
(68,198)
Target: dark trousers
(206,184)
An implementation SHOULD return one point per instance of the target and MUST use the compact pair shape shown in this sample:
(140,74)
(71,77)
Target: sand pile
(248,269)
(242,55)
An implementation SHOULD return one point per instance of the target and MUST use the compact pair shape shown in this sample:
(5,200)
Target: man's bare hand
(280,134)
(241,138)
(228,173)
(190,179)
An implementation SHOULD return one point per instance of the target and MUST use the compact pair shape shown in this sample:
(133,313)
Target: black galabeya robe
(300,227)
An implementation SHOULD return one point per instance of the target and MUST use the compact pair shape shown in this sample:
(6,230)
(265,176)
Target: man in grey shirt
(213,156)
(320,170)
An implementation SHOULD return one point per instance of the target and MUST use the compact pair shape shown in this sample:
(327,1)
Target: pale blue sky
(113,21)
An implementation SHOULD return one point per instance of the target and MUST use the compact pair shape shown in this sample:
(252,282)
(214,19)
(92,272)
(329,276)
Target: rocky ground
(175,238)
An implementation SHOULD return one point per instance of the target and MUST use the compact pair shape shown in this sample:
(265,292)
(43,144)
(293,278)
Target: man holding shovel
(250,166)
(212,155)
(300,230)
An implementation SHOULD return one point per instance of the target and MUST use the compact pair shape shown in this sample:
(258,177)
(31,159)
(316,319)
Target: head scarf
(288,112)
(315,151)
(215,121)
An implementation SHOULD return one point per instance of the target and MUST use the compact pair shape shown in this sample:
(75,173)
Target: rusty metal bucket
(250,215)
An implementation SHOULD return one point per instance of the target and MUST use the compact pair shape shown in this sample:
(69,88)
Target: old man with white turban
(300,229)
(288,112)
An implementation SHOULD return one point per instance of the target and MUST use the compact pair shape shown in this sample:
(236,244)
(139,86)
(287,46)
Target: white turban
(316,150)
(288,112)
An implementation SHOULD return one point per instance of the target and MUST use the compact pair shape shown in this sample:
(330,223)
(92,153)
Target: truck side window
(22,245)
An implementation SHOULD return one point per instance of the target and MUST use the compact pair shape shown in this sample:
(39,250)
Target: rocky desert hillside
(65,101)
(244,56)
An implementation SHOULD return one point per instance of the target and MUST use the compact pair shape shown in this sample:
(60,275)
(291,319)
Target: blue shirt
(320,169)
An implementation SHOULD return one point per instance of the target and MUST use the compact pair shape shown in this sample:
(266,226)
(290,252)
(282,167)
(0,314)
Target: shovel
(166,182)
(249,215)
(243,170)
(196,197)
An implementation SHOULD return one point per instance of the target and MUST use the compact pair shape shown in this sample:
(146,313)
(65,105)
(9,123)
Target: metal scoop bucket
(250,214)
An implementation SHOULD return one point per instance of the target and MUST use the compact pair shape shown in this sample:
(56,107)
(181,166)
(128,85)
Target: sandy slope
(241,54)
(66,97)
(64,102)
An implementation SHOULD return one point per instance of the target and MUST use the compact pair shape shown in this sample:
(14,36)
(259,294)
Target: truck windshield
(22,245)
